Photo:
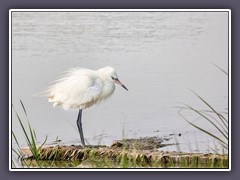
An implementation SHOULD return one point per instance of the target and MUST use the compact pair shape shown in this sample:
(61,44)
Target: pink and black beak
(116,80)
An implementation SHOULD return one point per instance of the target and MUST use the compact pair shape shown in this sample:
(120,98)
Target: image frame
(118,10)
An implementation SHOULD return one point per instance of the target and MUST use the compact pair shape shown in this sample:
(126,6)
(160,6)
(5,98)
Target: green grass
(216,119)
(90,157)
(30,138)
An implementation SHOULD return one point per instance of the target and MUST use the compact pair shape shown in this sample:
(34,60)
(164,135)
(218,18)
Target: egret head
(110,74)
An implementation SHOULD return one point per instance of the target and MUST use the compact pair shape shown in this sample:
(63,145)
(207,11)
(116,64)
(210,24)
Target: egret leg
(79,125)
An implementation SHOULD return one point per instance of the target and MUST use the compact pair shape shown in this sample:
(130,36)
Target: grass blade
(208,121)
(33,142)
(220,117)
(212,135)
(29,137)
(23,128)
(221,69)
(23,107)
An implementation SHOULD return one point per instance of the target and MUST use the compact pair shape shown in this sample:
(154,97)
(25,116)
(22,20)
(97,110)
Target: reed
(217,119)
(30,138)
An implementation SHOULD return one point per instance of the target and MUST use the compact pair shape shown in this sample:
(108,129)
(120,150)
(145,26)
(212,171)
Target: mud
(142,152)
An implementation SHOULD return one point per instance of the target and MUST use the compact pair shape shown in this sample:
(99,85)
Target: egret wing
(79,89)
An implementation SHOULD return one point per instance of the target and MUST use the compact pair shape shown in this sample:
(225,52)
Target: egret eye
(114,78)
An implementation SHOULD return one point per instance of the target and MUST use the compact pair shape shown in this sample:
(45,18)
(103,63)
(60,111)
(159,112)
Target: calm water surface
(157,55)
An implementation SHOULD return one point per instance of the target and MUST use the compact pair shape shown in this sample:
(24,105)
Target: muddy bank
(143,152)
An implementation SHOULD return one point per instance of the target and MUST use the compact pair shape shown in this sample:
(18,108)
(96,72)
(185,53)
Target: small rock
(116,144)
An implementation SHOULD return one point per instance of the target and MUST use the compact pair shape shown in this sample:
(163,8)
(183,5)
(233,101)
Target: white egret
(81,88)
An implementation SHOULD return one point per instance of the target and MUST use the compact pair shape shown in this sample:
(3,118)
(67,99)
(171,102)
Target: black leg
(79,125)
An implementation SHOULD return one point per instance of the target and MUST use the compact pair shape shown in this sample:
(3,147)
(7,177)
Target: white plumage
(81,87)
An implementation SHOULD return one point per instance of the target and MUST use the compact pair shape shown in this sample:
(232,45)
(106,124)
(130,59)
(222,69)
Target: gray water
(157,55)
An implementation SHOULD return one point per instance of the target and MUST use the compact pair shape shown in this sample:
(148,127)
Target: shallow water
(157,55)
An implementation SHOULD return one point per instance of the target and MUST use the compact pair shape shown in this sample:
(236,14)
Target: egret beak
(121,84)
(124,87)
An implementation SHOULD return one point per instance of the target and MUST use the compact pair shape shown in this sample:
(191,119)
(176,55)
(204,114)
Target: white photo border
(118,10)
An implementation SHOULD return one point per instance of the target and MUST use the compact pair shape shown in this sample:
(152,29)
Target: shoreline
(143,152)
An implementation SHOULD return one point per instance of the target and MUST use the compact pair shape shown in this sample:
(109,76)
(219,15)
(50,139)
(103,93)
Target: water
(157,55)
